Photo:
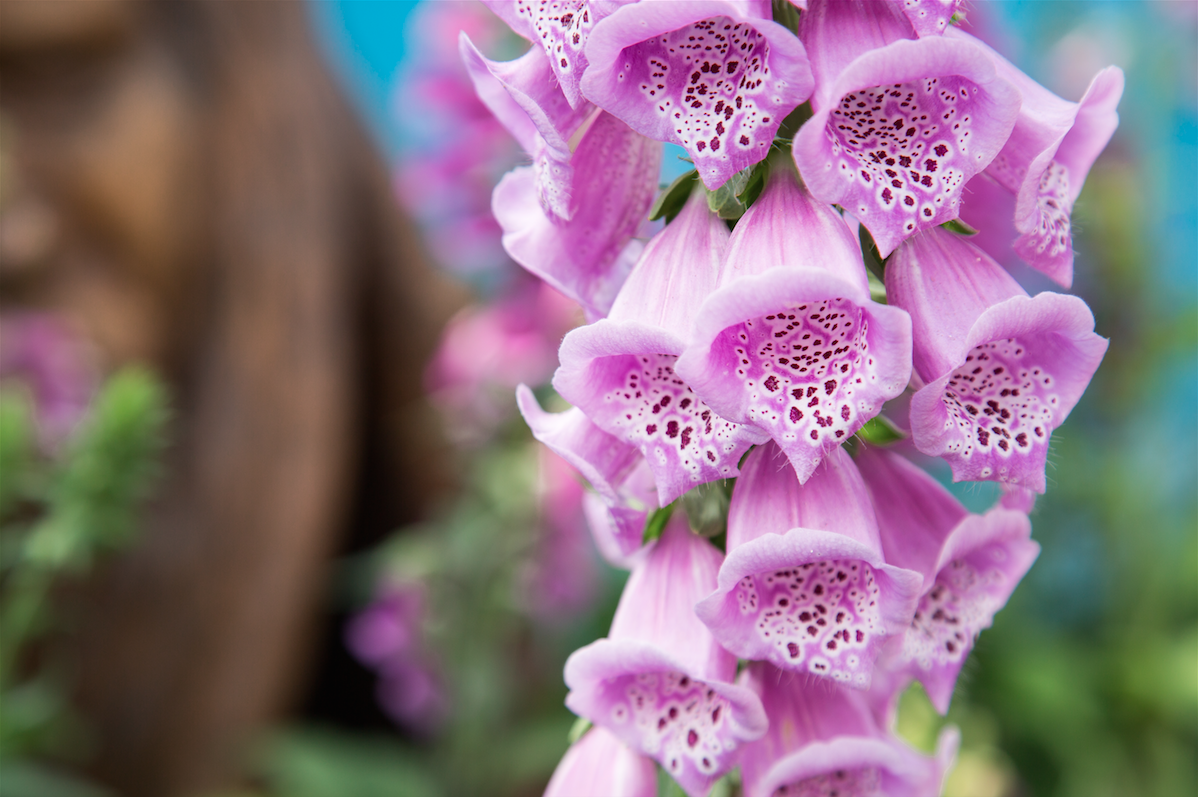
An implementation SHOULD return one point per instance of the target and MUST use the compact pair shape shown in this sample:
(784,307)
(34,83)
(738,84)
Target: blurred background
(269,522)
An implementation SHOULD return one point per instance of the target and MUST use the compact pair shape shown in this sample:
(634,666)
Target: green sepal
(959,227)
(878,431)
(669,203)
(657,523)
(707,507)
(580,726)
(786,15)
(877,288)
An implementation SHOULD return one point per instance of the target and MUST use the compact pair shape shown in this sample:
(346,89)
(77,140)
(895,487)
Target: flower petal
(586,258)
(711,76)
(901,127)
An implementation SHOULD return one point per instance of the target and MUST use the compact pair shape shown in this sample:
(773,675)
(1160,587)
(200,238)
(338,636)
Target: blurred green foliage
(59,511)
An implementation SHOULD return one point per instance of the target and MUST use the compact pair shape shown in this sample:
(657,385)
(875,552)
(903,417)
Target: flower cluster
(820,132)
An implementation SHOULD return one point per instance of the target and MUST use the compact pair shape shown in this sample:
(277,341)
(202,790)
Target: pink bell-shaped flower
(900,124)
(805,584)
(1000,369)
(791,343)
(659,681)
(970,566)
(620,372)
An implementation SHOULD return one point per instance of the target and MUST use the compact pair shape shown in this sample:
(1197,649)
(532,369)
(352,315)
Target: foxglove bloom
(588,257)
(900,124)
(970,565)
(600,765)
(805,585)
(561,30)
(1043,165)
(659,681)
(1000,369)
(714,77)
(791,342)
(620,370)
(614,469)
(824,741)
(524,96)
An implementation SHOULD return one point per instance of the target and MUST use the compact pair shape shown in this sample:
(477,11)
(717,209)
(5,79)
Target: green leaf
(959,227)
(669,202)
(657,523)
(16,448)
(723,201)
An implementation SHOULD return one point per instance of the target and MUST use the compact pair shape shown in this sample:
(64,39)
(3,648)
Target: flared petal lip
(799,546)
(751,297)
(1078,146)
(606,338)
(899,62)
(611,658)
(638,22)
(839,753)
(534,416)
(997,525)
(1018,316)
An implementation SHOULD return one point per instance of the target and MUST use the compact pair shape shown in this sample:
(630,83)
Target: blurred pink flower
(458,150)
(487,350)
(51,361)
(387,637)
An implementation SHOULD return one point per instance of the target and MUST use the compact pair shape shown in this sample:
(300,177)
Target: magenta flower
(900,124)
(620,370)
(970,565)
(525,97)
(600,765)
(791,343)
(588,257)
(387,636)
(1000,369)
(659,681)
(825,741)
(1043,164)
(714,77)
(487,350)
(805,584)
(561,29)
(614,469)
(445,180)
(53,363)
